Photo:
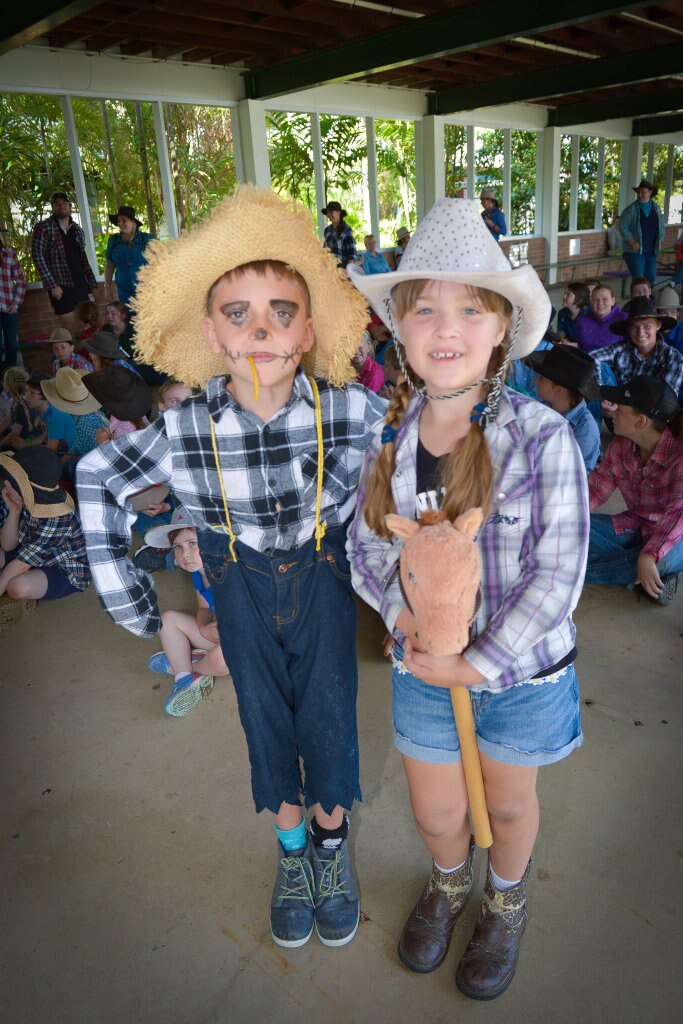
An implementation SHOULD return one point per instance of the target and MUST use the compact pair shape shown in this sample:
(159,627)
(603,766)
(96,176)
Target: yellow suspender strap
(320,528)
(228,520)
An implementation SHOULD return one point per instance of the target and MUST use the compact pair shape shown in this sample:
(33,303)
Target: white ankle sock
(448,871)
(501,884)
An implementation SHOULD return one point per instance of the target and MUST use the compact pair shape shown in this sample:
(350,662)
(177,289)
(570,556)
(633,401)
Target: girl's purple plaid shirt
(533,544)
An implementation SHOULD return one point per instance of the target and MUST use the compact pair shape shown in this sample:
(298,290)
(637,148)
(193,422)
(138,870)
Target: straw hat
(452,243)
(36,473)
(252,224)
(68,393)
(120,392)
(402,233)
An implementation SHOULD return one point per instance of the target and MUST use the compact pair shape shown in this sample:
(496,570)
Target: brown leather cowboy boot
(488,964)
(427,933)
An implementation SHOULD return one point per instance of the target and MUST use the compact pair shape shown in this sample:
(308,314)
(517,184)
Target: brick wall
(37,321)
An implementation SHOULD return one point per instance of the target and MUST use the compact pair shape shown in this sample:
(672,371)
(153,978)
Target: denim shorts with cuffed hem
(531,724)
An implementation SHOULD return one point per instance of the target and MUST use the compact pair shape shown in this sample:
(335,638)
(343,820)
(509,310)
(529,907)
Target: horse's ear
(402,527)
(469,522)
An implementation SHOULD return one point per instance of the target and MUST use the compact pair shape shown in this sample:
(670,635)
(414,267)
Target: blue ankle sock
(293,838)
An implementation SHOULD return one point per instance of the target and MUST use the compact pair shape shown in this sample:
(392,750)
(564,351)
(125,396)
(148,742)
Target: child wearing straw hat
(250,306)
(455,438)
(42,550)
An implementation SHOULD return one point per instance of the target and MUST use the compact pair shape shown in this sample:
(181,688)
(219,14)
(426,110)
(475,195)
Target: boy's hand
(12,498)
(609,408)
(648,576)
(210,632)
(102,435)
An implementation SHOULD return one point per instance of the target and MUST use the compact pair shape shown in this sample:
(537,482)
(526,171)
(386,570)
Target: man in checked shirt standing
(58,251)
(265,463)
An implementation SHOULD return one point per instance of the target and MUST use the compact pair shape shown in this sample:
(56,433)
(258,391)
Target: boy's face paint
(186,551)
(449,337)
(260,322)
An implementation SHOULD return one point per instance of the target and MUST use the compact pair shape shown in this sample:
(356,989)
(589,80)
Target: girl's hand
(648,575)
(609,408)
(451,670)
(102,435)
(12,498)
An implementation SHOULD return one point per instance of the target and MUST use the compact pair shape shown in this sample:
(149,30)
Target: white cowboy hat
(452,243)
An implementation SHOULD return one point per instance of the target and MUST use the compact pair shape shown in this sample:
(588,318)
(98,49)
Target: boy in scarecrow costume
(266,463)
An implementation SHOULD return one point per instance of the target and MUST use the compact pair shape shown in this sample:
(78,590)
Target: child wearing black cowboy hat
(643,350)
(565,380)
(42,550)
(644,544)
(125,398)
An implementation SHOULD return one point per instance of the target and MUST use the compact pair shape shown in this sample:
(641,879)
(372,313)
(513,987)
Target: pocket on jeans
(215,567)
(338,563)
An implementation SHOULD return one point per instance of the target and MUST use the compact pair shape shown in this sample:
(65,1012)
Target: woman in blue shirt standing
(125,254)
(642,230)
(492,215)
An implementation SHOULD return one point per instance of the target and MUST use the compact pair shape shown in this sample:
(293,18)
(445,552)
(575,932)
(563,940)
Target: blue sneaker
(160,663)
(337,899)
(291,906)
(187,693)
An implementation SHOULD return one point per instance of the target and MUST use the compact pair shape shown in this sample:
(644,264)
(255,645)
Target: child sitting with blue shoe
(265,462)
(191,646)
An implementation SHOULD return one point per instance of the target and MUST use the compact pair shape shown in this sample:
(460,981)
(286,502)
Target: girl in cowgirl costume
(455,437)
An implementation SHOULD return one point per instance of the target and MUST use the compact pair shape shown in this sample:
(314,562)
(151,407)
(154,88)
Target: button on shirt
(533,544)
(269,473)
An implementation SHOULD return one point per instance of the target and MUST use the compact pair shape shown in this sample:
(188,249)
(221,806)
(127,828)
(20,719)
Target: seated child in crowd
(42,550)
(576,300)
(644,461)
(68,394)
(125,398)
(64,353)
(643,350)
(371,261)
(565,380)
(593,328)
(640,288)
(37,422)
(13,385)
(172,394)
(370,373)
(266,464)
(87,313)
(191,645)
(117,322)
(105,351)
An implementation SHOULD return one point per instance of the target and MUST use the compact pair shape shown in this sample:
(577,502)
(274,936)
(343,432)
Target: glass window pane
(522,215)
(489,153)
(35,163)
(395,146)
(455,145)
(565,181)
(290,153)
(588,183)
(610,190)
(202,158)
(676,200)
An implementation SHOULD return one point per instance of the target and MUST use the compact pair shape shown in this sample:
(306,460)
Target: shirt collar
(576,413)
(219,398)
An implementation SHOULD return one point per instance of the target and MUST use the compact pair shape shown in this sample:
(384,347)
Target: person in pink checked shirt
(644,544)
(370,373)
(12,293)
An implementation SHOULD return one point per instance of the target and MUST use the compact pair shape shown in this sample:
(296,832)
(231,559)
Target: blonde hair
(14,381)
(467,473)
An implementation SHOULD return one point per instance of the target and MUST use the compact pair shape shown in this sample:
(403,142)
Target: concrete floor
(136,877)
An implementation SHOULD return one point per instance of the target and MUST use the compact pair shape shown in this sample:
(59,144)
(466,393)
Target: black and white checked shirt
(664,362)
(269,473)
